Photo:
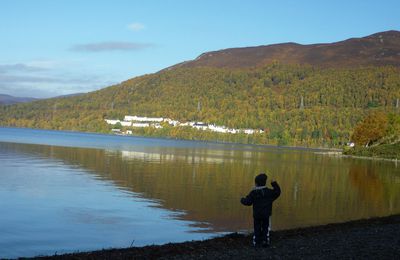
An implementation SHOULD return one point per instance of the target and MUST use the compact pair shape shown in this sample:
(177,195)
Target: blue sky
(50,48)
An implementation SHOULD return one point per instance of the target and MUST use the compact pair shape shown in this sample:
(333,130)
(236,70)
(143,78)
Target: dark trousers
(261,231)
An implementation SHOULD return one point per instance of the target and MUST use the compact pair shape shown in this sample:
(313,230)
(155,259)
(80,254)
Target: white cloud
(23,80)
(110,46)
(136,27)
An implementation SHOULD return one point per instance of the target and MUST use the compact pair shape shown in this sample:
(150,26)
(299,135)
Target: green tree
(118,125)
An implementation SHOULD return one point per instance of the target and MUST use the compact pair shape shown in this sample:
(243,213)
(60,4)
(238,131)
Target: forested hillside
(269,98)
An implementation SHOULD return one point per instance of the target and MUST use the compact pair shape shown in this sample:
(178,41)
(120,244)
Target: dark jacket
(261,198)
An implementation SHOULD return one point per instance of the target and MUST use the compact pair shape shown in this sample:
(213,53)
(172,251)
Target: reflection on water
(201,187)
(48,205)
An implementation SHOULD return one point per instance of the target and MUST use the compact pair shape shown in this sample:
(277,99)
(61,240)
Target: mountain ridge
(382,48)
(9,100)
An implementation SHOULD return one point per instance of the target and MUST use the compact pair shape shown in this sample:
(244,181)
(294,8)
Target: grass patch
(389,151)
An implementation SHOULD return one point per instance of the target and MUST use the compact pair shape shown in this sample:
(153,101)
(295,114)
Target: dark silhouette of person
(261,198)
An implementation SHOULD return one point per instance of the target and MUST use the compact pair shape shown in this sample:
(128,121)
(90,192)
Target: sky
(58,47)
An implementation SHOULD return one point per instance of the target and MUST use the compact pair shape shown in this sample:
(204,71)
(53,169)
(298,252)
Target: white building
(200,125)
(112,121)
(233,131)
(140,124)
(137,121)
(252,131)
(143,119)
(171,122)
(126,123)
(249,131)
(219,129)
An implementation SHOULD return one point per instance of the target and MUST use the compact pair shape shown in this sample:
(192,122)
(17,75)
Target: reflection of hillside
(367,183)
(372,188)
(207,184)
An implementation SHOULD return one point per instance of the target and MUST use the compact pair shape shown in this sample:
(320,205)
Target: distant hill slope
(376,50)
(8,100)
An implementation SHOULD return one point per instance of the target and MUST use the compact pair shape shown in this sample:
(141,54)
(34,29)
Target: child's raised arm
(276,189)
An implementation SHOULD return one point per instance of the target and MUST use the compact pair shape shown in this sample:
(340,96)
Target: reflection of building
(131,155)
(214,156)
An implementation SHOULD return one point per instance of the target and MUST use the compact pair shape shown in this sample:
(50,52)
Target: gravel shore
(377,238)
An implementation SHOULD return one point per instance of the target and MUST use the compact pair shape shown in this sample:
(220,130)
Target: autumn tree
(371,129)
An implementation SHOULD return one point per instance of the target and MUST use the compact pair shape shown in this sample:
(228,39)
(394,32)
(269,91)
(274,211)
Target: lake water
(66,191)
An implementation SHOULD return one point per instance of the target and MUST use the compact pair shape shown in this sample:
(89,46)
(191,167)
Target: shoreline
(370,158)
(342,155)
(374,238)
(305,148)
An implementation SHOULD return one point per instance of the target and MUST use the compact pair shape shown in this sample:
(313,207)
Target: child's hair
(261,179)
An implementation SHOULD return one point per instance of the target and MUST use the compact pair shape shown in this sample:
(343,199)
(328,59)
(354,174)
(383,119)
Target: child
(261,198)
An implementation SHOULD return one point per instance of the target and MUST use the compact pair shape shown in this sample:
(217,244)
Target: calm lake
(67,191)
